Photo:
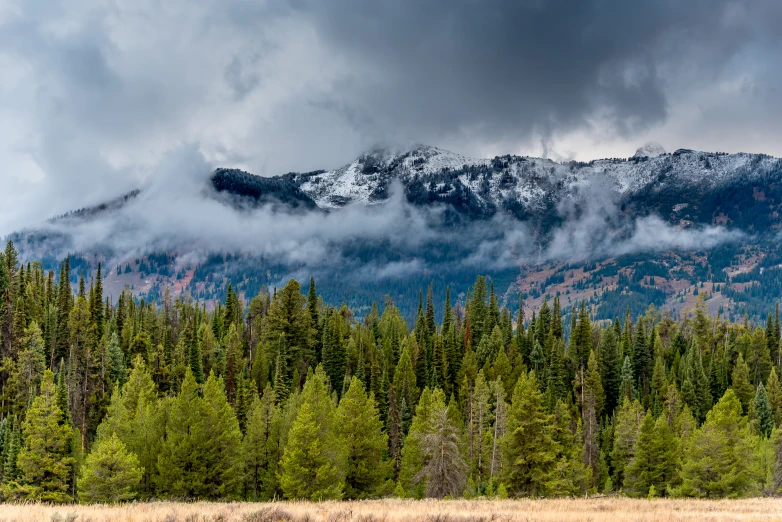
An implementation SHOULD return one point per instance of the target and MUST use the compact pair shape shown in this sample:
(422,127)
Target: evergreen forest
(288,396)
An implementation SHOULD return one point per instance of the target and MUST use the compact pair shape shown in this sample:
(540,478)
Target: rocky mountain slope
(655,227)
(684,187)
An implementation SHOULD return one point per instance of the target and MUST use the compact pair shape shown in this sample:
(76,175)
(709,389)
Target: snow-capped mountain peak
(649,150)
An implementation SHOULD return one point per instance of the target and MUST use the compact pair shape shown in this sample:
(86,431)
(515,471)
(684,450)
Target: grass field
(594,510)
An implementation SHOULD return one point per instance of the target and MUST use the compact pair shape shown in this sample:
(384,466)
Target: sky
(98,96)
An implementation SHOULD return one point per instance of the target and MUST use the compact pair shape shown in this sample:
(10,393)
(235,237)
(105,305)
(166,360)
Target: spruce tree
(610,369)
(763,412)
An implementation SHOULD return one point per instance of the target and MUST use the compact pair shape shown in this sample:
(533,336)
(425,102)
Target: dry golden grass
(595,510)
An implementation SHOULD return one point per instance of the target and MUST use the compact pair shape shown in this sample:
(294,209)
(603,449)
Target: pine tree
(110,474)
(136,418)
(361,431)
(656,462)
(257,447)
(774,391)
(412,455)
(627,423)
(571,475)
(444,469)
(200,456)
(741,385)
(313,464)
(221,429)
(719,462)
(44,461)
(405,384)
(529,449)
(181,471)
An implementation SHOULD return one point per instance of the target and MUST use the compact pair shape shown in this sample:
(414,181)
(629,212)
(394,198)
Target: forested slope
(288,396)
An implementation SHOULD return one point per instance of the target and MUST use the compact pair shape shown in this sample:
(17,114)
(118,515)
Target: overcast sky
(96,94)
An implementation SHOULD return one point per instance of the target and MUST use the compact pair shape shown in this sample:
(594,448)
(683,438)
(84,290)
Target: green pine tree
(719,461)
(45,462)
(530,452)
(740,383)
(361,431)
(110,473)
(258,448)
(313,462)
(626,425)
(656,461)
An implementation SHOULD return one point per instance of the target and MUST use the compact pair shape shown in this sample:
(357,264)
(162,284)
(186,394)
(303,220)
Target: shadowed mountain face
(389,222)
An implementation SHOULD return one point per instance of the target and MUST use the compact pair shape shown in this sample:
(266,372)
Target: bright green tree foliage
(110,473)
(719,462)
(313,464)
(44,462)
(361,431)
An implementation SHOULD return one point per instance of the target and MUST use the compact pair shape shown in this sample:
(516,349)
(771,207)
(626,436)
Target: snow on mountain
(650,150)
(531,183)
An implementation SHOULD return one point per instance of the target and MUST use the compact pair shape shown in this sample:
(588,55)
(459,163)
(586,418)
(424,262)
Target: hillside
(655,227)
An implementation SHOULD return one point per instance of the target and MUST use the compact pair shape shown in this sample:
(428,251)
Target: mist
(178,212)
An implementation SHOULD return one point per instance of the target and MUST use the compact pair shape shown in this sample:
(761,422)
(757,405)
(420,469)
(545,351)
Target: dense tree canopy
(289,397)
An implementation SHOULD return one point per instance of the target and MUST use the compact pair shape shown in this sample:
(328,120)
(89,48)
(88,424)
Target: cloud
(593,227)
(392,240)
(96,94)
(652,234)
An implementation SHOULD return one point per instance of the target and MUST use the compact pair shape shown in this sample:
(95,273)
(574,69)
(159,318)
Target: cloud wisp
(381,241)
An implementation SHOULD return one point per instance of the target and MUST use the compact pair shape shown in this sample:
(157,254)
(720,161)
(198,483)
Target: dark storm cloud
(502,69)
(95,94)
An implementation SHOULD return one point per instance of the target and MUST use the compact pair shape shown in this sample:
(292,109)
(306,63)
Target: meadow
(615,509)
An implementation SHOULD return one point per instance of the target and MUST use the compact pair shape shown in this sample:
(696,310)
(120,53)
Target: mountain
(655,225)
(685,187)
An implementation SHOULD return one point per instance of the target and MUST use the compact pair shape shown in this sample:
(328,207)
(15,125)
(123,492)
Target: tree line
(289,397)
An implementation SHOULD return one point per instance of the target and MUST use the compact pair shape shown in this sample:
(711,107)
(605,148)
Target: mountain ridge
(655,225)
